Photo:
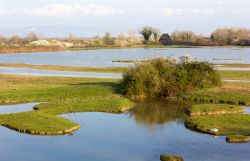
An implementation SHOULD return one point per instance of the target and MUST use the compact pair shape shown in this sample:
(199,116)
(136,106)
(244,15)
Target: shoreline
(38,49)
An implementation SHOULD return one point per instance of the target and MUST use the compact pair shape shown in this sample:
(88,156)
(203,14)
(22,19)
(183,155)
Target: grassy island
(220,119)
(214,109)
(235,124)
(237,139)
(64,95)
(165,157)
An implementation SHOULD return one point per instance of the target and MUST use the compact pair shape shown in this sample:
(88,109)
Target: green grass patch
(236,124)
(237,139)
(235,75)
(235,65)
(67,68)
(220,95)
(211,109)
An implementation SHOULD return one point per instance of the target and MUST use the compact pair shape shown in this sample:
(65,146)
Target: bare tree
(15,40)
(31,37)
(156,33)
(108,39)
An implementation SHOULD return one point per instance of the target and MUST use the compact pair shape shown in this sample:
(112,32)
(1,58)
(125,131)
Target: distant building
(165,39)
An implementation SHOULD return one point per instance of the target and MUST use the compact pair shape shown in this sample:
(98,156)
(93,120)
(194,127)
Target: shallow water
(142,134)
(221,68)
(10,109)
(37,72)
(104,58)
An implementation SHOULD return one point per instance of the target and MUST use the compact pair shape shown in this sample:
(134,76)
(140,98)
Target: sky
(97,16)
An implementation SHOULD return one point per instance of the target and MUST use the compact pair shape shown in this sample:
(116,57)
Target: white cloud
(219,2)
(62,10)
(173,12)
(203,12)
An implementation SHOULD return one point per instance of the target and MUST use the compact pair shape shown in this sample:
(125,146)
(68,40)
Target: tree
(230,36)
(3,40)
(121,36)
(108,39)
(31,37)
(146,32)
(183,36)
(16,40)
(131,33)
(156,33)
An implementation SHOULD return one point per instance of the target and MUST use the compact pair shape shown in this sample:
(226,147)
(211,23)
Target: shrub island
(165,157)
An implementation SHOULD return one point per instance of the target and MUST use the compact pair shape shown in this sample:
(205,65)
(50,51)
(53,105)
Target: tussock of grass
(211,109)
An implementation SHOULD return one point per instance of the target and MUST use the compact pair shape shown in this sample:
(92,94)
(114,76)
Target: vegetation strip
(67,68)
(237,139)
(214,109)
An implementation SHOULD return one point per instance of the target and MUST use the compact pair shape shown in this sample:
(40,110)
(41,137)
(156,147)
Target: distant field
(67,68)
(235,75)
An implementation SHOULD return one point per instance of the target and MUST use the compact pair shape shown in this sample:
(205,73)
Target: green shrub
(164,78)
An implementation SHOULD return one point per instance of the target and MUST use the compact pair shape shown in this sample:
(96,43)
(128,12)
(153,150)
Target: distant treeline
(220,37)
(148,36)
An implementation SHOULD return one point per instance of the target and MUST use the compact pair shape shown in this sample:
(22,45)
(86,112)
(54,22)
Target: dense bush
(164,78)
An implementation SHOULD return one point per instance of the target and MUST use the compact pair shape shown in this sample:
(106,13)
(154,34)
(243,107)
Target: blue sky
(202,16)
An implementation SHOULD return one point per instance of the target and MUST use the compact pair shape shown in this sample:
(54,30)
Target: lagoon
(122,137)
(104,57)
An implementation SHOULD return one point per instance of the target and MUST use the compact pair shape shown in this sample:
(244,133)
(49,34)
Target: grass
(235,65)
(230,92)
(237,139)
(67,68)
(63,95)
(235,75)
(210,109)
(236,124)
(165,157)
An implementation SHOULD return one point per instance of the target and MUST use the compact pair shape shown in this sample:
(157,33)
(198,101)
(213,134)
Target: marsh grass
(211,109)
(67,68)
(235,124)
(235,75)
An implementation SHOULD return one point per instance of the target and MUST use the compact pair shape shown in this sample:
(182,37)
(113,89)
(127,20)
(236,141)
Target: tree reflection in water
(158,112)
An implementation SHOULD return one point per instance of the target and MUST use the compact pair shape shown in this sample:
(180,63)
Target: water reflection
(158,112)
